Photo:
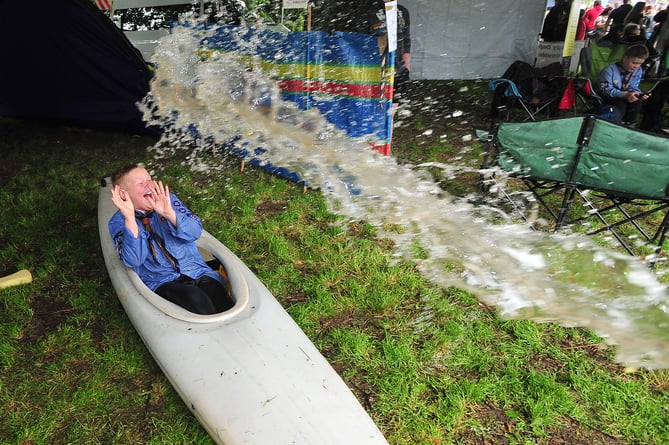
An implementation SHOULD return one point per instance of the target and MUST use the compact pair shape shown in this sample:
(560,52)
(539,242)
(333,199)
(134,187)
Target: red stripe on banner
(366,91)
(381,147)
(104,4)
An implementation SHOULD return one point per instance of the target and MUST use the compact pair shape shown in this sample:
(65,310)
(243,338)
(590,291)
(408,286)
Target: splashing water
(526,274)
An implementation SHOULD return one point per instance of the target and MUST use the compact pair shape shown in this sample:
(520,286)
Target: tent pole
(570,37)
(308,96)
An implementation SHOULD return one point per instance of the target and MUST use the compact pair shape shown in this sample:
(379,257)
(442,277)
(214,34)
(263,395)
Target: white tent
(451,39)
(469,39)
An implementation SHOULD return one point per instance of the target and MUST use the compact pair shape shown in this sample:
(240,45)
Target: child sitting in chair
(618,86)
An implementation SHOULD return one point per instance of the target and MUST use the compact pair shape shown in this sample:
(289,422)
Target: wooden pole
(308,74)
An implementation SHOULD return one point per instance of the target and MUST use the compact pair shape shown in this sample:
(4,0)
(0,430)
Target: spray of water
(525,274)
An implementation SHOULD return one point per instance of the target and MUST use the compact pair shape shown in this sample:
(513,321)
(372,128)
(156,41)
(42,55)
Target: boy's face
(632,63)
(138,185)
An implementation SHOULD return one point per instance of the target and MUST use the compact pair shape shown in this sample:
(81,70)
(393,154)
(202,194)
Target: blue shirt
(179,242)
(612,82)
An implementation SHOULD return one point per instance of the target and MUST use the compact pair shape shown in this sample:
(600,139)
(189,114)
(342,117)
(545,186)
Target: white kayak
(249,375)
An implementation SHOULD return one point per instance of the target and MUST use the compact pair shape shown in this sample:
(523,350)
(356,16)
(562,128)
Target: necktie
(155,239)
(626,79)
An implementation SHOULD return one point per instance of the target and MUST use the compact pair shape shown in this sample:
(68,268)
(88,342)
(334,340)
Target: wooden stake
(309,18)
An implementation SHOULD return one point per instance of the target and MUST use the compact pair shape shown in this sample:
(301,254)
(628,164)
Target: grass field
(431,365)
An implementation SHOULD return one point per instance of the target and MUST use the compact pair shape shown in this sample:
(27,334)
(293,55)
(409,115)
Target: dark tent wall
(65,61)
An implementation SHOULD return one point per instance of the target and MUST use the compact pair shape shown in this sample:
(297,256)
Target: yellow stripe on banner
(326,73)
(320,72)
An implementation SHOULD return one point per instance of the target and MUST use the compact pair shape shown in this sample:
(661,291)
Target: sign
(295,4)
(551,52)
(391,24)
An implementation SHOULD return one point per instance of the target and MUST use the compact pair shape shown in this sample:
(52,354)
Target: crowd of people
(598,20)
(644,29)
(620,22)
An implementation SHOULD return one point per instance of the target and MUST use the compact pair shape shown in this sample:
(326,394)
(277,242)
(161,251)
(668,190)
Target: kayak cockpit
(213,251)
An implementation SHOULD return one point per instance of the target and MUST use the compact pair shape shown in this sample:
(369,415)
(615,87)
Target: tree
(340,15)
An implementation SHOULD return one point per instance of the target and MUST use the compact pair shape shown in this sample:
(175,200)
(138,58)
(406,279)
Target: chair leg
(611,228)
(527,110)
(661,236)
(564,208)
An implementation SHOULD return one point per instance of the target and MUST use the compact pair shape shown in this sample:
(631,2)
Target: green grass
(431,365)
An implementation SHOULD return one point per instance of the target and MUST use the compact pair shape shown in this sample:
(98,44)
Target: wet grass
(431,365)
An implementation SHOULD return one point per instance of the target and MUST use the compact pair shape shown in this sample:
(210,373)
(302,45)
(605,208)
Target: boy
(155,235)
(618,85)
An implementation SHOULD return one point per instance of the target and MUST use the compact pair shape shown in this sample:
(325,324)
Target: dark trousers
(202,296)
(653,118)
(619,110)
(400,84)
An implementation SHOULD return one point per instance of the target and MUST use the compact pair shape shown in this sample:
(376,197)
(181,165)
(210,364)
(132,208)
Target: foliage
(231,12)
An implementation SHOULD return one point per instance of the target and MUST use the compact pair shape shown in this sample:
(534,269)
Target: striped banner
(105,5)
(340,74)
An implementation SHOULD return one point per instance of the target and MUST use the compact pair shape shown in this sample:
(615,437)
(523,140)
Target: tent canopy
(65,61)
(69,63)
(464,39)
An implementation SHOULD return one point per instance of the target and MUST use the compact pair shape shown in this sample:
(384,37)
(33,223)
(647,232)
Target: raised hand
(161,201)
(122,201)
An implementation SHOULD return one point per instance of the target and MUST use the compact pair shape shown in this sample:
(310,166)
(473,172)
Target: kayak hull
(249,375)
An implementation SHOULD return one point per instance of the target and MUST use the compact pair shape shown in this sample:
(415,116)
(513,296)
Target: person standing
(648,23)
(635,16)
(581,26)
(556,21)
(591,15)
(617,16)
(600,23)
(376,24)
(658,19)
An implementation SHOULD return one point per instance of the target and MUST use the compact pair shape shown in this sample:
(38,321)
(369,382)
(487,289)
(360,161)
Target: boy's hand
(122,201)
(631,96)
(162,203)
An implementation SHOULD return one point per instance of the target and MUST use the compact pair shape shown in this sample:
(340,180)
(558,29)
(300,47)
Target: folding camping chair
(619,175)
(534,91)
(594,58)
(580,90)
